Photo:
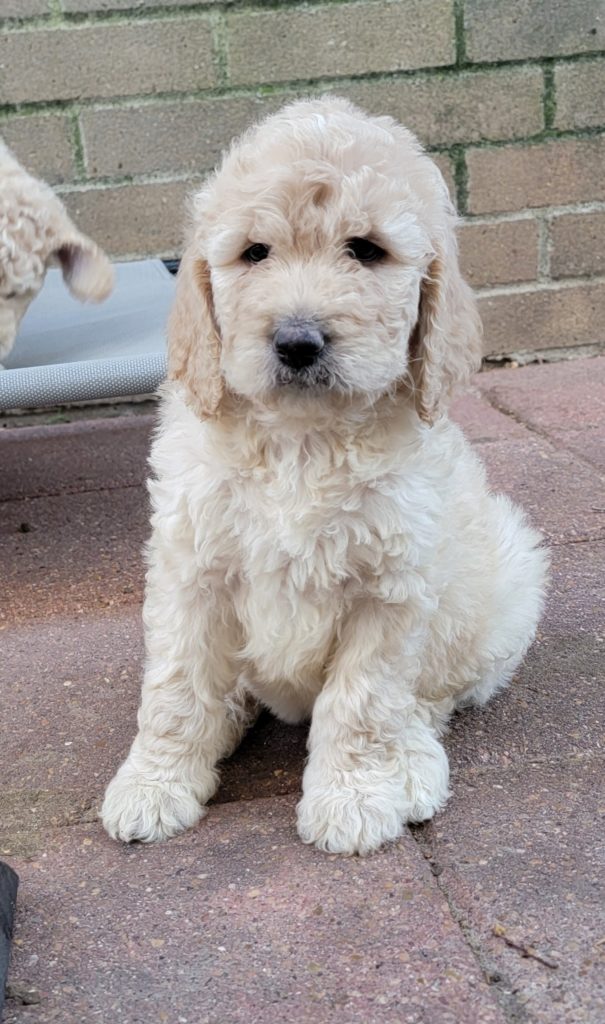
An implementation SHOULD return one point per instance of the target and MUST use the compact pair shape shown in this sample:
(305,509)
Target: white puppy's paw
(135,808)
(426,780)
(371,808)
(345,820)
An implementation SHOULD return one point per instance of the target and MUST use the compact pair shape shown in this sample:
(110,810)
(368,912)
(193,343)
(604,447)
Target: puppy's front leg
(184,726)
(374,760)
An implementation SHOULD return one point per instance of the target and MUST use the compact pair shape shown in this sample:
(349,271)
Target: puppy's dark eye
(365,251)
(256,253)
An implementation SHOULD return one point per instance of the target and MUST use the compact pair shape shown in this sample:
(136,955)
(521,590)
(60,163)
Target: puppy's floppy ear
(446,345)
(194,344)
(86,269)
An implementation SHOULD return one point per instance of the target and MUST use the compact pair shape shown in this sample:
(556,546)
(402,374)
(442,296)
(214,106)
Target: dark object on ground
(8,899)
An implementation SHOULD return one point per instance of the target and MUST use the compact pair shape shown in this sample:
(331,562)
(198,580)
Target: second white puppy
(324,539)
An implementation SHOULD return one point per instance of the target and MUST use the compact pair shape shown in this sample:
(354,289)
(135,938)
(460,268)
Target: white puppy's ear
(194,344)
(446,345)
(86,269)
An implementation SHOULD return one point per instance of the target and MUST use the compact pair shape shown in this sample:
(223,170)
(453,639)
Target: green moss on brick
(460,177)
(550,98)
(77,145)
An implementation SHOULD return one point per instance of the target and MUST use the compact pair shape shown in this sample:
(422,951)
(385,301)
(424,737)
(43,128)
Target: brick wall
(123,104)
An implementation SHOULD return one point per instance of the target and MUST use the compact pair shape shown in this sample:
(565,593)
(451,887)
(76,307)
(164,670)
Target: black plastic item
(8,899)
(172,265)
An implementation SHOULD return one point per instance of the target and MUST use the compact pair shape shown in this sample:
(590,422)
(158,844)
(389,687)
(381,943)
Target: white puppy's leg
(185,724)
(374,758)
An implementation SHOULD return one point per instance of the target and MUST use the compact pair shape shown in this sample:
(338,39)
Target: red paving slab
(565,401)
(236,922)
(73,686)
(70,614)
(74,689)
(555,706)
(87,455)
(481,422)
(71,553)
(562,496)
(520,854)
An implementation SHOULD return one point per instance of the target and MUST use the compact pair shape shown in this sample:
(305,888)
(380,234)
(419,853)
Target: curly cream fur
(35,231)
(324,550)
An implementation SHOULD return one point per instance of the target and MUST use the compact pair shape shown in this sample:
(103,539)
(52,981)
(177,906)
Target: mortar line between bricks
(554,285)
(55,11)
(544,249)
(164,12)
(459,32)
(323,81)
(535,212)
(77,144)
(220,46)
(287,91)
(251,89)
(495,361)
(549,98)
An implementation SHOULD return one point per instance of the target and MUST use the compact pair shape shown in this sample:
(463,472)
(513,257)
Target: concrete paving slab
(555,706)
(69,689)
(238,921)
(67,580)
(69,693)
(73,687)
(564,401)
(481,422)
(70,614)
(72,553)
(269,762)
(562,496)
(89,455)
(520,855)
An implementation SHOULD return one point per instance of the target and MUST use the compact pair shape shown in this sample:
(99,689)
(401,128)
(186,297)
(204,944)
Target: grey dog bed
(67,352)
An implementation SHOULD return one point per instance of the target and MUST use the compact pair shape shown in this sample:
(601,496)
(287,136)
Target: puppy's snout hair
(298,342)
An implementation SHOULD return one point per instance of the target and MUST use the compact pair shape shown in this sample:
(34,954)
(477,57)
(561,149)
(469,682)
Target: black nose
(298,343)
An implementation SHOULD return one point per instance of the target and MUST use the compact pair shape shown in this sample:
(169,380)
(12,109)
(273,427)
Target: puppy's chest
(318,534)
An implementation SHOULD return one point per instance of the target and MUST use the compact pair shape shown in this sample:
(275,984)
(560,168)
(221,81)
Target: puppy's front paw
(136,808)
(349,820)
(427,777)
(372,808)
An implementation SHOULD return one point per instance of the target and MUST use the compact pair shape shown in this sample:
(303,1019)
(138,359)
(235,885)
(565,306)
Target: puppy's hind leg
(186,725)
(519,585)
(242,711)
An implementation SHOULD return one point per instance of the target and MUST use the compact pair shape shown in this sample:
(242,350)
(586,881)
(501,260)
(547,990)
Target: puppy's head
(323,261)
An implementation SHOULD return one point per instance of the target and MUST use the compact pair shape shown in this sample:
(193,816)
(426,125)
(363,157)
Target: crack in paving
(506,995)
(499,406)
(70,490)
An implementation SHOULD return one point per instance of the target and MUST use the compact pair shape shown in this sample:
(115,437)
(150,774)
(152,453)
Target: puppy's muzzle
(298,343)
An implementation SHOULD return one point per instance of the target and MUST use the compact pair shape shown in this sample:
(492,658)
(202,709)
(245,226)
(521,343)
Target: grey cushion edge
(58,384)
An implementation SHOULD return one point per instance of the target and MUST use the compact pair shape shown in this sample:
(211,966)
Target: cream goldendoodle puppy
(324,540)
(36,232)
